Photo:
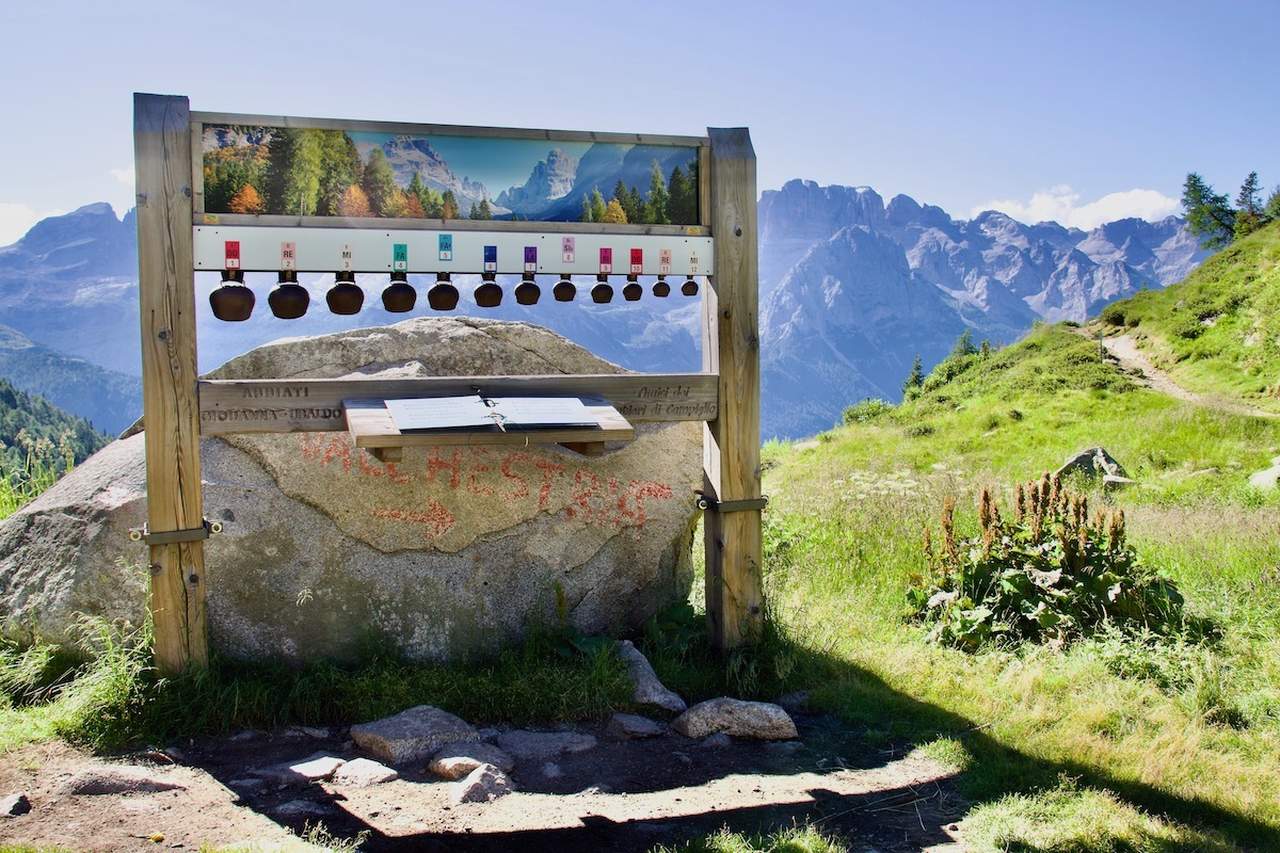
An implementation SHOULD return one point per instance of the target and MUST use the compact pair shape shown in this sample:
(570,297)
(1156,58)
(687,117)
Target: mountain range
(851,290)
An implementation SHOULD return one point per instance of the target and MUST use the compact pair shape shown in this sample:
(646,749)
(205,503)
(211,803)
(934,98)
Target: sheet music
(525,412)
(426,413)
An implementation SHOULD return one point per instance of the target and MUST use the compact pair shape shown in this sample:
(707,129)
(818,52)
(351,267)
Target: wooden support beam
(731,349)
(229,406)
(166,293)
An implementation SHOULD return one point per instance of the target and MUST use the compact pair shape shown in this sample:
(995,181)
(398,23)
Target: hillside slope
(27,419)
(1218,331)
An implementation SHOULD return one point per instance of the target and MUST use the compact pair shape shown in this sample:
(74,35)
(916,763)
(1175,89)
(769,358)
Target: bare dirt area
(620,795)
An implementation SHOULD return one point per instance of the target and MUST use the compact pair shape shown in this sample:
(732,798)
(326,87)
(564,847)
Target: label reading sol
(231,253)
(346,257)
(664,262)
(400,257)
(530,258)
(445,247)
(637,261)
(490,258)
(606,260)
(288,256)
(568,250)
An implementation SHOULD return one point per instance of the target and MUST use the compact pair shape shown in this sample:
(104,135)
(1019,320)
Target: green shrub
(1113,315)
(1051,575)
(867,410)
(919,430)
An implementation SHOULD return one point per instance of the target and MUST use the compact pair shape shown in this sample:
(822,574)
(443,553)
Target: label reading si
(231,254)
(606,261)
(664,262)
(445,245)
(530,258)
(637,261)
(568,249)
(346,257)
(490,258)
(288,256)
(400,257)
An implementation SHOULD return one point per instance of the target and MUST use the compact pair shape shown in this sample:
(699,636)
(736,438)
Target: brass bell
(345,297)
(399,296)
(564,291)
(232,301)
(661,288)
(527,291)
(488,294)
(442,296)
(632,291)
(602,292)
(288,299)
(690,287)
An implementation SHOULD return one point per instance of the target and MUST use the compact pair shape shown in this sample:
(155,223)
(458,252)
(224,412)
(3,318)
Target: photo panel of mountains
(318,172)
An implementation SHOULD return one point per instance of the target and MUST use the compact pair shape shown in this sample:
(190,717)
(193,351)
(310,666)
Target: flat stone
(300,808)
(317,732)
(119,779)
(314,768)
(551,770)
(14,805)
(363,772)
(1092,462)
(737,717)
(719,740)
(481,785)
(647,689)
(458,759)
(1267,479)
(630,726)
(526,745)
(412,735)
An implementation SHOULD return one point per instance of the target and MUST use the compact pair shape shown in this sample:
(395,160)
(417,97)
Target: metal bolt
(163,334)
(737,232)
(193,578)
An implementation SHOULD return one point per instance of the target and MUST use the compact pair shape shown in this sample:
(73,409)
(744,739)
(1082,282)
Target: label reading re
(445,244)
(400,257)
(606,260)
(568,250)
(530,258)
(231,252)
(664,262)
(637,261)
(288,256)
(490,258)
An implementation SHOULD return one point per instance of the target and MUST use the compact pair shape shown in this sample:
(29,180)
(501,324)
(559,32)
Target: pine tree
(246,201)
(1271,212)
(1209,216)
(614,213)
(622,197)
(914,379)
(341,168)
(985,349)
(682,209)
(448,206)
(586,209)
(294,169)
(484,210)
(474,213)
(432,204)
(418,190)
(656,209)
(597,206)
(964,345)
(411,205)
(1248,208)
(354,202)
(379,184)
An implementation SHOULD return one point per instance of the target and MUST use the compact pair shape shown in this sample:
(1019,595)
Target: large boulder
(449,552)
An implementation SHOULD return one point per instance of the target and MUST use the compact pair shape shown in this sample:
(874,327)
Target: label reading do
(445,247)
(231,254)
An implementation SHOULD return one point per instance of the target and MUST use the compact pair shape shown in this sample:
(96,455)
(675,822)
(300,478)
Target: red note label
(637,261)
(232,253)
(288,256)
(606,261)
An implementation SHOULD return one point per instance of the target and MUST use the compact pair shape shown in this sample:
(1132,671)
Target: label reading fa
(446,247)
(400,257)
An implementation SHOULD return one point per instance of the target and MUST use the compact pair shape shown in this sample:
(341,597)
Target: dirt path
(1125,350)
(617,796)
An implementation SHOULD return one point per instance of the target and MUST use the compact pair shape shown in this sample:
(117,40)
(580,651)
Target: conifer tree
(1248,208)
(597,206)
(246,200)
(1209,216)
(586,209)
(432,203)
(656,209)
(484,210)
(341,167)
(914,379)
(1271,212)
(448,205)
(379,184)
(354,202)
(682,208)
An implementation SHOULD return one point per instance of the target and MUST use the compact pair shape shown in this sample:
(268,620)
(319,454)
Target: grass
(1218,331)
(793,840)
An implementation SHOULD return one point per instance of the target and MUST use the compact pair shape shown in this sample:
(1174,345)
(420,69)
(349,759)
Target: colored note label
(346,258)
(637,261)
(400,257)
(568,249)
(664,261)
(530,258)
(288,256)
(606,260)
(446,247)
(231,252)
(490,258)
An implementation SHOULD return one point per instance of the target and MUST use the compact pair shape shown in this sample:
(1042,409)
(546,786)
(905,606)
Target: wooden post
(731,348)
(171,411)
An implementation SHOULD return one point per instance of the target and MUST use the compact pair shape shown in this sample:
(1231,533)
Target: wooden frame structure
(179,407)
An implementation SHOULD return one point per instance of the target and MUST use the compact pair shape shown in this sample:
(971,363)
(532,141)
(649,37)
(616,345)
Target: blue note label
(446,247)
(490,258)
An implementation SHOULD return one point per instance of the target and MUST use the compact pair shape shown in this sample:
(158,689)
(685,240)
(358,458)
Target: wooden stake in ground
(171,411)
(731,348)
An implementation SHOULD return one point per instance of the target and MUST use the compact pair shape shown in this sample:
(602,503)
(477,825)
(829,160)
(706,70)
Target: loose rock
(411,735)
(526,745)
(459,759)
(648,689)
(630,726)
(314,768)
(119,779)
(719,740)
(737,717)
(14,805)
(363,772)
(300,808)
(1093,462)
(551,770)
(482,785)
(1268,479)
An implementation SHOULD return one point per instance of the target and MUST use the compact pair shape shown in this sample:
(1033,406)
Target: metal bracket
(175,537)
(709,504)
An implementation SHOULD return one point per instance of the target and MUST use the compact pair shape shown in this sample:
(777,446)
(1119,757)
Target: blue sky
(1076,110)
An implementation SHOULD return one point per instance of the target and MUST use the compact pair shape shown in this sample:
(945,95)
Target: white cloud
(124,176)
(16,218)
(1062,204)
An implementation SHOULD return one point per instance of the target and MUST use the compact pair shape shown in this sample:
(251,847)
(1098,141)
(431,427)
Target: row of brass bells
(399,296)
(232,301)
